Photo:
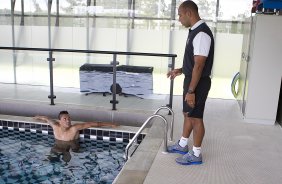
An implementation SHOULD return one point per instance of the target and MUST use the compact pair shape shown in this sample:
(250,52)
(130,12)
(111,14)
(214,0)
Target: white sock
(197,151)
(183,142)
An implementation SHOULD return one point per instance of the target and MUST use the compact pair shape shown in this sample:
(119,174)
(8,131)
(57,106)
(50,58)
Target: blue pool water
(25,157)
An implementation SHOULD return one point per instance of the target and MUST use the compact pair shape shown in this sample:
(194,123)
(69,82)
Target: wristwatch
(190,91)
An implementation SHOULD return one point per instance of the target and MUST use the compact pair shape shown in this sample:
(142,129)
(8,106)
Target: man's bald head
(189,5)
(188,13)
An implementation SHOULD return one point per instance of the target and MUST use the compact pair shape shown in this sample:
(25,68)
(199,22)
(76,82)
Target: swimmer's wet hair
(62,113)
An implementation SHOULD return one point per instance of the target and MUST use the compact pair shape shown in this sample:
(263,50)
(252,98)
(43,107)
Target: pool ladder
(155,115)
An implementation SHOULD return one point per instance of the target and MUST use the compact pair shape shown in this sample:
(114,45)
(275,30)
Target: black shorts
(201,94)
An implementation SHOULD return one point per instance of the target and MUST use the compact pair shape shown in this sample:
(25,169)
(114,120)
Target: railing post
(51,59)
(114,63)
(22,11)
(171,84)
(13,40)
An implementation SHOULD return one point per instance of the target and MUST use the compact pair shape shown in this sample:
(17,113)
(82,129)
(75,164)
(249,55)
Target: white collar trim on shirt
(197,24)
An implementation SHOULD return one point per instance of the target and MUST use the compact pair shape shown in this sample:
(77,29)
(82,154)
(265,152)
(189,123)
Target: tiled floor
(235,152)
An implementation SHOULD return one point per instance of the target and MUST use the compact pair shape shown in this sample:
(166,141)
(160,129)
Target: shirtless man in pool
(64,130)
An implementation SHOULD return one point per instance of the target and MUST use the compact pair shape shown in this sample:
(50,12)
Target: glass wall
(116,25)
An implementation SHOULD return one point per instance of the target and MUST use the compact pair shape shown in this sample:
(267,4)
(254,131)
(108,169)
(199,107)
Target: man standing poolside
(64,130)
(197,65)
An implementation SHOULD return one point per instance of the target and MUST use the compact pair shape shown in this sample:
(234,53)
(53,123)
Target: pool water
(25,157)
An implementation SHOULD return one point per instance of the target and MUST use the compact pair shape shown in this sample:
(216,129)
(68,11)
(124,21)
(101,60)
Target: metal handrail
(142,128)
(171,122)
(89,51)
(50,59)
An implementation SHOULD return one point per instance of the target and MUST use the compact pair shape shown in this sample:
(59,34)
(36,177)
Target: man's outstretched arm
(46,119)
(81,126)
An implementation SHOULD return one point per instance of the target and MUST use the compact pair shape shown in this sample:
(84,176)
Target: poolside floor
(234,152)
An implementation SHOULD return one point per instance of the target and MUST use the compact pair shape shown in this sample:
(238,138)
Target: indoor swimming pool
(29,154)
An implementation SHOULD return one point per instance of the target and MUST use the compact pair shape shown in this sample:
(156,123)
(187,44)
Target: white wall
(227,56)
(32,67)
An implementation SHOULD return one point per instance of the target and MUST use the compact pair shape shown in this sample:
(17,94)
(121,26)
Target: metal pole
(171,83)
(13,39)
(22,15)
(130,26)
(50,59)
(87,31)
(216,18)
(172,27)
(58,13)
(49,22)
(94,16)
(114,101)
(171,37)
(215,25)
